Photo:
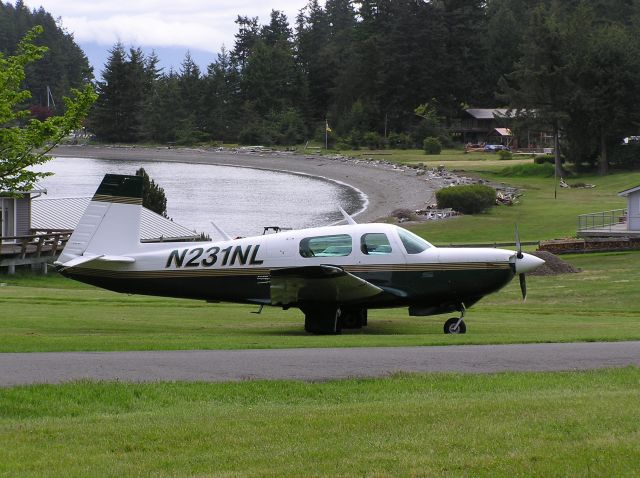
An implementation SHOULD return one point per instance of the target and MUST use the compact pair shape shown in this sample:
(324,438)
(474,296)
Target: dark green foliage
(373,140)
(64,65)
(153,196)
(545,170)
(544,158)
(505,155)
(470,199)
(399,141)
(432,145)
(625,156)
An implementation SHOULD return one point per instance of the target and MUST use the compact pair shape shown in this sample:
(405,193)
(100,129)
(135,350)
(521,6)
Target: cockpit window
(412,243)
(375,244)
(326,246)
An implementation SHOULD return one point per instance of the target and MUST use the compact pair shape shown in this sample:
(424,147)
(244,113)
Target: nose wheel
(456,325)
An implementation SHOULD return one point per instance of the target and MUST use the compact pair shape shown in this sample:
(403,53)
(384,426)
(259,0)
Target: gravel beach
(387,187)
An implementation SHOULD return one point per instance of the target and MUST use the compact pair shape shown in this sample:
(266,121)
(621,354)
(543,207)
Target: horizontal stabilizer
(323,283)
(91,258)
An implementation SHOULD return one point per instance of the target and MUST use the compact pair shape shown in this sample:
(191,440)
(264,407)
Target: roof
(65,213)
(627,192)
(488,113)
(503,131)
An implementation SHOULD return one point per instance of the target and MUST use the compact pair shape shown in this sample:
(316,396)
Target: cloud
(197,24)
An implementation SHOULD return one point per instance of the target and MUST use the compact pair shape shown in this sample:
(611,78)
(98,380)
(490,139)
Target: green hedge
(432,145)
(470,199)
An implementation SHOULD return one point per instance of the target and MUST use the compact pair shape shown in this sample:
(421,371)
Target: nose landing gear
(456,325)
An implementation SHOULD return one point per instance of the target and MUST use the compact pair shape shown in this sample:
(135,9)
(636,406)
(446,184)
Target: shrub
(625,156)
(547,158)
(544,158)
(400,141)
(504,154)
(373,140)
(545,170)
(432,145)
(470,199)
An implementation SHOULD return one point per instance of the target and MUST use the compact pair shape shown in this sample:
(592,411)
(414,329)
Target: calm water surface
(240,200)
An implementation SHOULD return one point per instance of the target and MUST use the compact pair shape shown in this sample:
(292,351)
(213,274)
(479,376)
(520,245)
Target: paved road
(309,364)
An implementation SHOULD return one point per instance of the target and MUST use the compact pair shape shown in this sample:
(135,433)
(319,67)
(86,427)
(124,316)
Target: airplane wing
(318,284)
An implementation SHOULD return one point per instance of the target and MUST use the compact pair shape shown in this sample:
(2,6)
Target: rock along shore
(387,186)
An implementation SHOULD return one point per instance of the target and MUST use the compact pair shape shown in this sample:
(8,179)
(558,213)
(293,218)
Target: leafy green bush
(373,140)
(504,154)
(625,156)
(470,199)
(432,145)
(544,158)
(545,170)
(400,141)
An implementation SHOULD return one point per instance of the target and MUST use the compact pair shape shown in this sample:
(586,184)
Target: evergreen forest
(375,73)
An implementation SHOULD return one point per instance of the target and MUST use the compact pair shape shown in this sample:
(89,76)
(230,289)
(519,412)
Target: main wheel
(450,326)
(354,319)
(323,321)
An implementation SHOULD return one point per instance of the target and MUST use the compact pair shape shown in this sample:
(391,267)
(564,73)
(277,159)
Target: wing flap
(323,283)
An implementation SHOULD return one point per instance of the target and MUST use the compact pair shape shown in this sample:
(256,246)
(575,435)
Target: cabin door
(7,218)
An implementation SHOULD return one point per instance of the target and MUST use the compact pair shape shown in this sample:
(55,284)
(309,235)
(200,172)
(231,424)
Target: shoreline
(385,187)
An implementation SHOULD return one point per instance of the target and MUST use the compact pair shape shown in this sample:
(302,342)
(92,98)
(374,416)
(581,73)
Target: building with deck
(34,231)
(616,222)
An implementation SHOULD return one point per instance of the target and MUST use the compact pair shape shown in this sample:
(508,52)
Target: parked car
(495,147)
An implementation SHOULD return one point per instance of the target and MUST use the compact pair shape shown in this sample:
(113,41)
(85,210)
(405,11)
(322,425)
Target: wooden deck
(614,230)
(36,250)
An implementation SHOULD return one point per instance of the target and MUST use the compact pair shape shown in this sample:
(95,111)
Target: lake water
(239,200)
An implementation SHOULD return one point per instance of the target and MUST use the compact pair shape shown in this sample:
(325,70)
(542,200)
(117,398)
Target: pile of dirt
(553,265)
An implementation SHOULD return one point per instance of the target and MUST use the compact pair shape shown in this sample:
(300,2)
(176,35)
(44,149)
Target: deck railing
(48,243)
(605,220)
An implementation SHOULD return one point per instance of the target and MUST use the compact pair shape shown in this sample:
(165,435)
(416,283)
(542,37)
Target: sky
(169,27)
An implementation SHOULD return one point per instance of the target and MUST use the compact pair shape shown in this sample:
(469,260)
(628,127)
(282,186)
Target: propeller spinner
(524,263)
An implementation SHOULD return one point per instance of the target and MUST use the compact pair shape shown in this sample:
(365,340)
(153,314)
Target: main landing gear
(330,320)
(456,325)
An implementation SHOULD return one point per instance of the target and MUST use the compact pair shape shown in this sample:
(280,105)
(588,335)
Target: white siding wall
(23,216)
(634,211)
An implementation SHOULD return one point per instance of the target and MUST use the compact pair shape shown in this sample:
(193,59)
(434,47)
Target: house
(34,231)
(15,214)
(480,126)
(633,208)
(616,222)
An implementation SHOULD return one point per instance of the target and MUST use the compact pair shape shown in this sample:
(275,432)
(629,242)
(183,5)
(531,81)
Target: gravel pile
(553,265)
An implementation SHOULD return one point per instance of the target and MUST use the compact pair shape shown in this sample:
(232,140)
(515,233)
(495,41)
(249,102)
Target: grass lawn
(513,424)
(57,314)
(539,215)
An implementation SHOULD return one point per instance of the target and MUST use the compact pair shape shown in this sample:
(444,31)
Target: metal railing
(605,220)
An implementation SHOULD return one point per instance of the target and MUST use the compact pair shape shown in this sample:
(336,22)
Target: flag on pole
(327,129)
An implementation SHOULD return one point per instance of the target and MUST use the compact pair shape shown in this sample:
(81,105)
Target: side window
(326,246)
(412,243)
(375,244)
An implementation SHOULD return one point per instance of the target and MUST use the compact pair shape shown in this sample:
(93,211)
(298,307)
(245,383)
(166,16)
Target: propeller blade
(523,287)
(518,245)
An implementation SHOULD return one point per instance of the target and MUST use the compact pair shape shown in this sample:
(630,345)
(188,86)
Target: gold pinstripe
(202,272)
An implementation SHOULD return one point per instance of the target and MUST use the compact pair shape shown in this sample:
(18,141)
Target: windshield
(412,243)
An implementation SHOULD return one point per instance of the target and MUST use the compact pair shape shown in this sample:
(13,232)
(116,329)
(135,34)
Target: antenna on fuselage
(346,216)
(224,235)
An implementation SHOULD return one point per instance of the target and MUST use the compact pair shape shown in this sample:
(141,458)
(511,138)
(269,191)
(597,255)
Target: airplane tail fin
(111,223)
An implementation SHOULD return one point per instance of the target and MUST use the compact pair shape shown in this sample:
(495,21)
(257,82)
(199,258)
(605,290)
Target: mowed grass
(512,424)
(539,215)
(56,314)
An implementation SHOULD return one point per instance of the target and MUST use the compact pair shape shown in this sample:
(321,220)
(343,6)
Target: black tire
(353,319)
(449,326)
(323,321)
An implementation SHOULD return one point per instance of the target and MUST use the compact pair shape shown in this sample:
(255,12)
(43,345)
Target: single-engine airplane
(333,274)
